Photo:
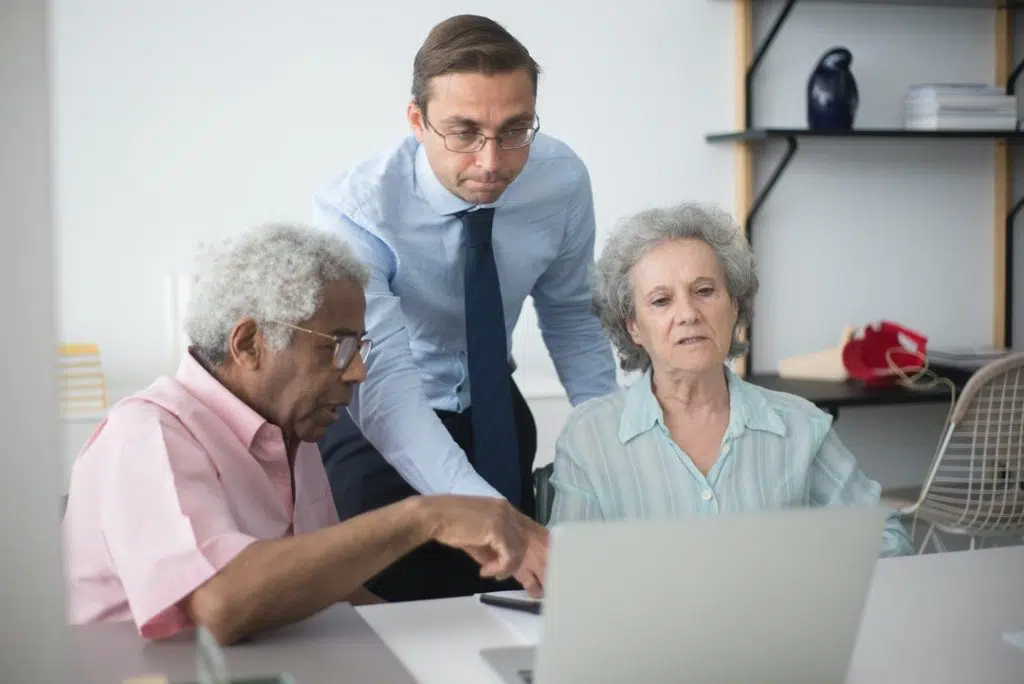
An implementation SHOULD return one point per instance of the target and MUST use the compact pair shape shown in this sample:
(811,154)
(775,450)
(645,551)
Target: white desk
(933,619)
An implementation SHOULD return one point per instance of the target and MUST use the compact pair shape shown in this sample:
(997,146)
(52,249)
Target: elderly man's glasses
(474,141)
(345,346)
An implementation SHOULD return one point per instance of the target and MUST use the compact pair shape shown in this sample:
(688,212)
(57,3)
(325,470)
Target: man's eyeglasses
(510,139)
(345,346)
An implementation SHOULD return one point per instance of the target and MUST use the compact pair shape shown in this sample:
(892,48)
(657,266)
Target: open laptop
(775,596)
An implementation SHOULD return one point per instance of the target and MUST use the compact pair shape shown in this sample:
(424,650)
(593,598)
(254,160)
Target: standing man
(459,223)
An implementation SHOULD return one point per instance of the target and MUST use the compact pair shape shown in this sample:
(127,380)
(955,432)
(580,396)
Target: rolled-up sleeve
(836,479)
(165,519)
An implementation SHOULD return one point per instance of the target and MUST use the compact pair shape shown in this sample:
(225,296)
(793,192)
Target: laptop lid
(774,596)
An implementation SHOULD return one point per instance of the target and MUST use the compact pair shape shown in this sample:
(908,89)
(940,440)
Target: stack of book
(83,386)
(968,357)
(959,363)
(959,106)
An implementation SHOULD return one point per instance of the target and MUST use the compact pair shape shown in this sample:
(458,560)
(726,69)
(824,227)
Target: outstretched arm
(390,406)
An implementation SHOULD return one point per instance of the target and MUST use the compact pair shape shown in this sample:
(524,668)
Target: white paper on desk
(1015,639)
(526,626)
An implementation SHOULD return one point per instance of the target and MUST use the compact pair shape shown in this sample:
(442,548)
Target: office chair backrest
(545,493)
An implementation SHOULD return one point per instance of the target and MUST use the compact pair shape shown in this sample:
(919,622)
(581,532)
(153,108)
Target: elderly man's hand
(532,572)
(502,540)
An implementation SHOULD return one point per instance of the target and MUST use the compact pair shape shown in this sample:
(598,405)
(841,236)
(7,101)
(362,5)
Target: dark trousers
(361,481)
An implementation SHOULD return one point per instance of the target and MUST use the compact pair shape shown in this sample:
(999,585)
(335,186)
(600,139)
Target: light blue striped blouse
(615,459)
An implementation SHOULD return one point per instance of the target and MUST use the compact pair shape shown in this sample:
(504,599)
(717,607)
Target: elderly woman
(689,437)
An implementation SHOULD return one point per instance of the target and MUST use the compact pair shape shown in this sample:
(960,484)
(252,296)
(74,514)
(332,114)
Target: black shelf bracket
(755,207)
(1008,291)
(748,123)
(1011,82)
(762,195)
(762,48)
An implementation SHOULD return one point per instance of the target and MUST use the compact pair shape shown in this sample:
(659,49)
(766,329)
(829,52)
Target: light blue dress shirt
(394,212)
(615,459)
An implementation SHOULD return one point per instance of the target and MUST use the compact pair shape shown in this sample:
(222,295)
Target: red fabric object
(864,354)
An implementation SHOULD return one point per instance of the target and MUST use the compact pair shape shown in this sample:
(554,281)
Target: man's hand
(531,573)
(502,540)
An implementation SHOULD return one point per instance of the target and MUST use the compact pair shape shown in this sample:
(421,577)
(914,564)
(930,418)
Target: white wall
(179,122)
(31,590)
(185,121)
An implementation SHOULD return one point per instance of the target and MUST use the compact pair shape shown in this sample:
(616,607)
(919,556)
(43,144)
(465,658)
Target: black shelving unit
(833,395)
(979,4)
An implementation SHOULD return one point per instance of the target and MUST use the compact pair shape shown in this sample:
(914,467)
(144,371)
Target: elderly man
(203,499)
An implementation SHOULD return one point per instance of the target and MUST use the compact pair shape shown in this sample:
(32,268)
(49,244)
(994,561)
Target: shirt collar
(748,409)
(240,418)
(438,197)
(640,410)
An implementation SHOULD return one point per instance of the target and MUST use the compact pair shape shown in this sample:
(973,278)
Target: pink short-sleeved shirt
(178,480)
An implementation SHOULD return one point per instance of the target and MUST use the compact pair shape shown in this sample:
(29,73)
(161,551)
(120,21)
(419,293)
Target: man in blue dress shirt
(459,223)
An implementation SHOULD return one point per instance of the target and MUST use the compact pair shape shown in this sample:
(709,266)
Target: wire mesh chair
(975,486)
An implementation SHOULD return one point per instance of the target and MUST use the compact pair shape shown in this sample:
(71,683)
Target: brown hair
(468,43)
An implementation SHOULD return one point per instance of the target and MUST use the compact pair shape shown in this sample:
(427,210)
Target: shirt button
(706,495)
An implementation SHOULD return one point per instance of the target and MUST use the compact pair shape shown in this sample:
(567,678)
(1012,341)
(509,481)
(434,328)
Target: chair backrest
(83,386)
(976,484)
(545,493)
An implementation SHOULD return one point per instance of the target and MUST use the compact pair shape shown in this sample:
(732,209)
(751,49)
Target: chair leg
(939,546)
(973,542)
(927,536)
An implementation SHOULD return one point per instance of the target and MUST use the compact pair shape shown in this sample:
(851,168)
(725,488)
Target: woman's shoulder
(788,407)
(604,410)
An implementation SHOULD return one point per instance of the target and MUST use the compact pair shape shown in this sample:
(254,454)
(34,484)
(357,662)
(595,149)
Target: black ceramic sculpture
(832,96)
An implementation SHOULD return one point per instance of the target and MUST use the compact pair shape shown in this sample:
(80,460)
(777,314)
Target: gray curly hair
(276,272)
(636,235)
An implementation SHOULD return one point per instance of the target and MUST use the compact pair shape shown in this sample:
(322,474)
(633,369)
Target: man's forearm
(276,582)
(392,413)
(363,597)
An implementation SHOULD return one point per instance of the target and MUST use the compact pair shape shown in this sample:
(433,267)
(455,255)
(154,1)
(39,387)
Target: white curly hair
(275,272)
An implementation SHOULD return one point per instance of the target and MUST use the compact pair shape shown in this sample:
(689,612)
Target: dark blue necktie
(496,451)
